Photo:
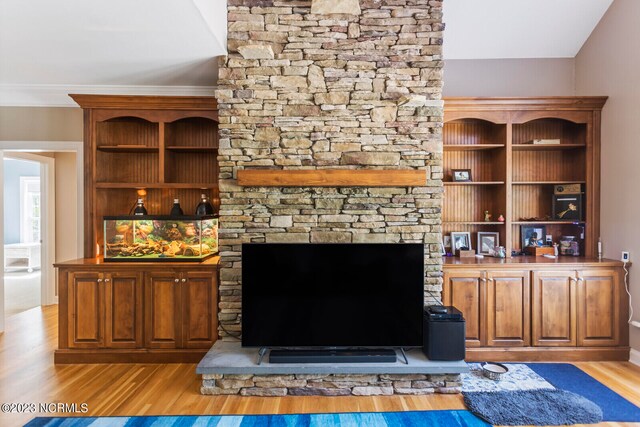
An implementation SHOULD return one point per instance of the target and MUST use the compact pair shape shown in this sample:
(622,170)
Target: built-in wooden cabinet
(511,176)
(495,305)
(157,312)
(199,309)
(554,308)
(466,290)
(598,296)
(123,309)
(105,309)
(181,309)
(540,309)
(86,309)
(158,148)
(162,309)
(155,147)
(508,308)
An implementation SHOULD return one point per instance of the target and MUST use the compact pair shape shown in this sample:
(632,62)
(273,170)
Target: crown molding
(26,95)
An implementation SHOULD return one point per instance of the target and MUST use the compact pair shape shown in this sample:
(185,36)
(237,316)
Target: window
(30,209)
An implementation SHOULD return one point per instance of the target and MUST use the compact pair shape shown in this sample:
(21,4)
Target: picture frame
(533,233)
(446,241)
(487,241)
(567,207)
(459,240)
(461,175)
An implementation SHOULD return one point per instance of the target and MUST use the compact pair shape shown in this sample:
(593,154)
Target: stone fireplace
(329,84)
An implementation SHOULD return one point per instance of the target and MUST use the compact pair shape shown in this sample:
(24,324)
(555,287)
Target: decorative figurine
(501,218)
(487,216)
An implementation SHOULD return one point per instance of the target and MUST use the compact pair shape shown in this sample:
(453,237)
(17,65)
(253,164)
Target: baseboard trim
(634,357)
(548,354)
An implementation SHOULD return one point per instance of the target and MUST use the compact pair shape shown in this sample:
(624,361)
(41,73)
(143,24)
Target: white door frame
(45,146)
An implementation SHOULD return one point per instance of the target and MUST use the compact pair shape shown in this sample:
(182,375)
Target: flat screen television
(332,295)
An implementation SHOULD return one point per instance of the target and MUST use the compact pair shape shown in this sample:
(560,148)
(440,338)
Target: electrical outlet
(625,256)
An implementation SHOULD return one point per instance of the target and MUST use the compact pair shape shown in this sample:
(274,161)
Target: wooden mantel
(332,178)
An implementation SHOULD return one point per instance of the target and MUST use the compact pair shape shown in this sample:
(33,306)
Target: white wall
(509,77)
(66,206)
(609,64)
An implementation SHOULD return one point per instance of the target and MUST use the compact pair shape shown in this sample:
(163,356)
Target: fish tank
(160,238)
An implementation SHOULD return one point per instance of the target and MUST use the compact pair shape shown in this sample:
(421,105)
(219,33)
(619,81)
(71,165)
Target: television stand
(333,356)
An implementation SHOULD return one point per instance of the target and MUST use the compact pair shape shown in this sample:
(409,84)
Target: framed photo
(567,207)
(461,175)
(460,240)
(533,235)
(487,241)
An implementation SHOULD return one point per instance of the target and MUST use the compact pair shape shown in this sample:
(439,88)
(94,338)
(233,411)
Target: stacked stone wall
(329,385)
(305,88)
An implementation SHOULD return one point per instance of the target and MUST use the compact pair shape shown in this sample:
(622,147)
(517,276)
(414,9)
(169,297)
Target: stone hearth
(229,369)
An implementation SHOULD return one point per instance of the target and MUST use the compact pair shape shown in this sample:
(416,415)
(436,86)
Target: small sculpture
(487,216)
(501,218)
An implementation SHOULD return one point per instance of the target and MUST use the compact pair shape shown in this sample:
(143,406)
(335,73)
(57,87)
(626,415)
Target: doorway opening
(22,215)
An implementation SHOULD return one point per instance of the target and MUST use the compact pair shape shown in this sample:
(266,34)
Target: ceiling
(167,47)
(492,29)
(90,45)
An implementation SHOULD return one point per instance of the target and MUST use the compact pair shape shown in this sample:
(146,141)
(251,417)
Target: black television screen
(332,295)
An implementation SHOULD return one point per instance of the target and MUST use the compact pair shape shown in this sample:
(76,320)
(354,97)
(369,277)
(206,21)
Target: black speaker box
(444,333)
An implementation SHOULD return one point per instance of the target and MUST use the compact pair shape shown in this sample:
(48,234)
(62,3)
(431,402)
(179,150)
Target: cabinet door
(508,309)
(598,307)
(200,307)
(123,306)
(465,290)
(162,309)
(554,308)
(86,310)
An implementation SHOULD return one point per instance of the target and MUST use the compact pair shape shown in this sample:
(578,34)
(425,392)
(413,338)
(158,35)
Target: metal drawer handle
(107,280)
(99,280)
(176,280)
(184,280)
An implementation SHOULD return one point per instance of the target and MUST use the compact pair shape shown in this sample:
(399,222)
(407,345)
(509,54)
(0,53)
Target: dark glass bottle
(204,207)
(140,209)
(176,210)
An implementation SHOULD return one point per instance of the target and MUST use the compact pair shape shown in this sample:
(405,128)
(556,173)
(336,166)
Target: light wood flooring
(28,375)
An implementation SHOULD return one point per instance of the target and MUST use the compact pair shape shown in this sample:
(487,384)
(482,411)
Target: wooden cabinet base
(136,312)
(75,356)
(547,354)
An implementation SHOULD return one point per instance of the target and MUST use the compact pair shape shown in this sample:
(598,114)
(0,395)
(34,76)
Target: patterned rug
(553,376)
(519,378)
(369,419)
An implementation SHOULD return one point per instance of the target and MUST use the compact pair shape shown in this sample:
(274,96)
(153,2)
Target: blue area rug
(358,419)
(568,377)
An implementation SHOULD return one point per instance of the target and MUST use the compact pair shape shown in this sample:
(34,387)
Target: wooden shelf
(153,185)
(127,149)
(547,182)
(548,222)
(332,178)
(474,183)
(549,147)
(492,137)
(471,147)
(190,149)
(474,222)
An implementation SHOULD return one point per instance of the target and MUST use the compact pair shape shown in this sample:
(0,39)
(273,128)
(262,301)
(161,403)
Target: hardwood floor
(28,375)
